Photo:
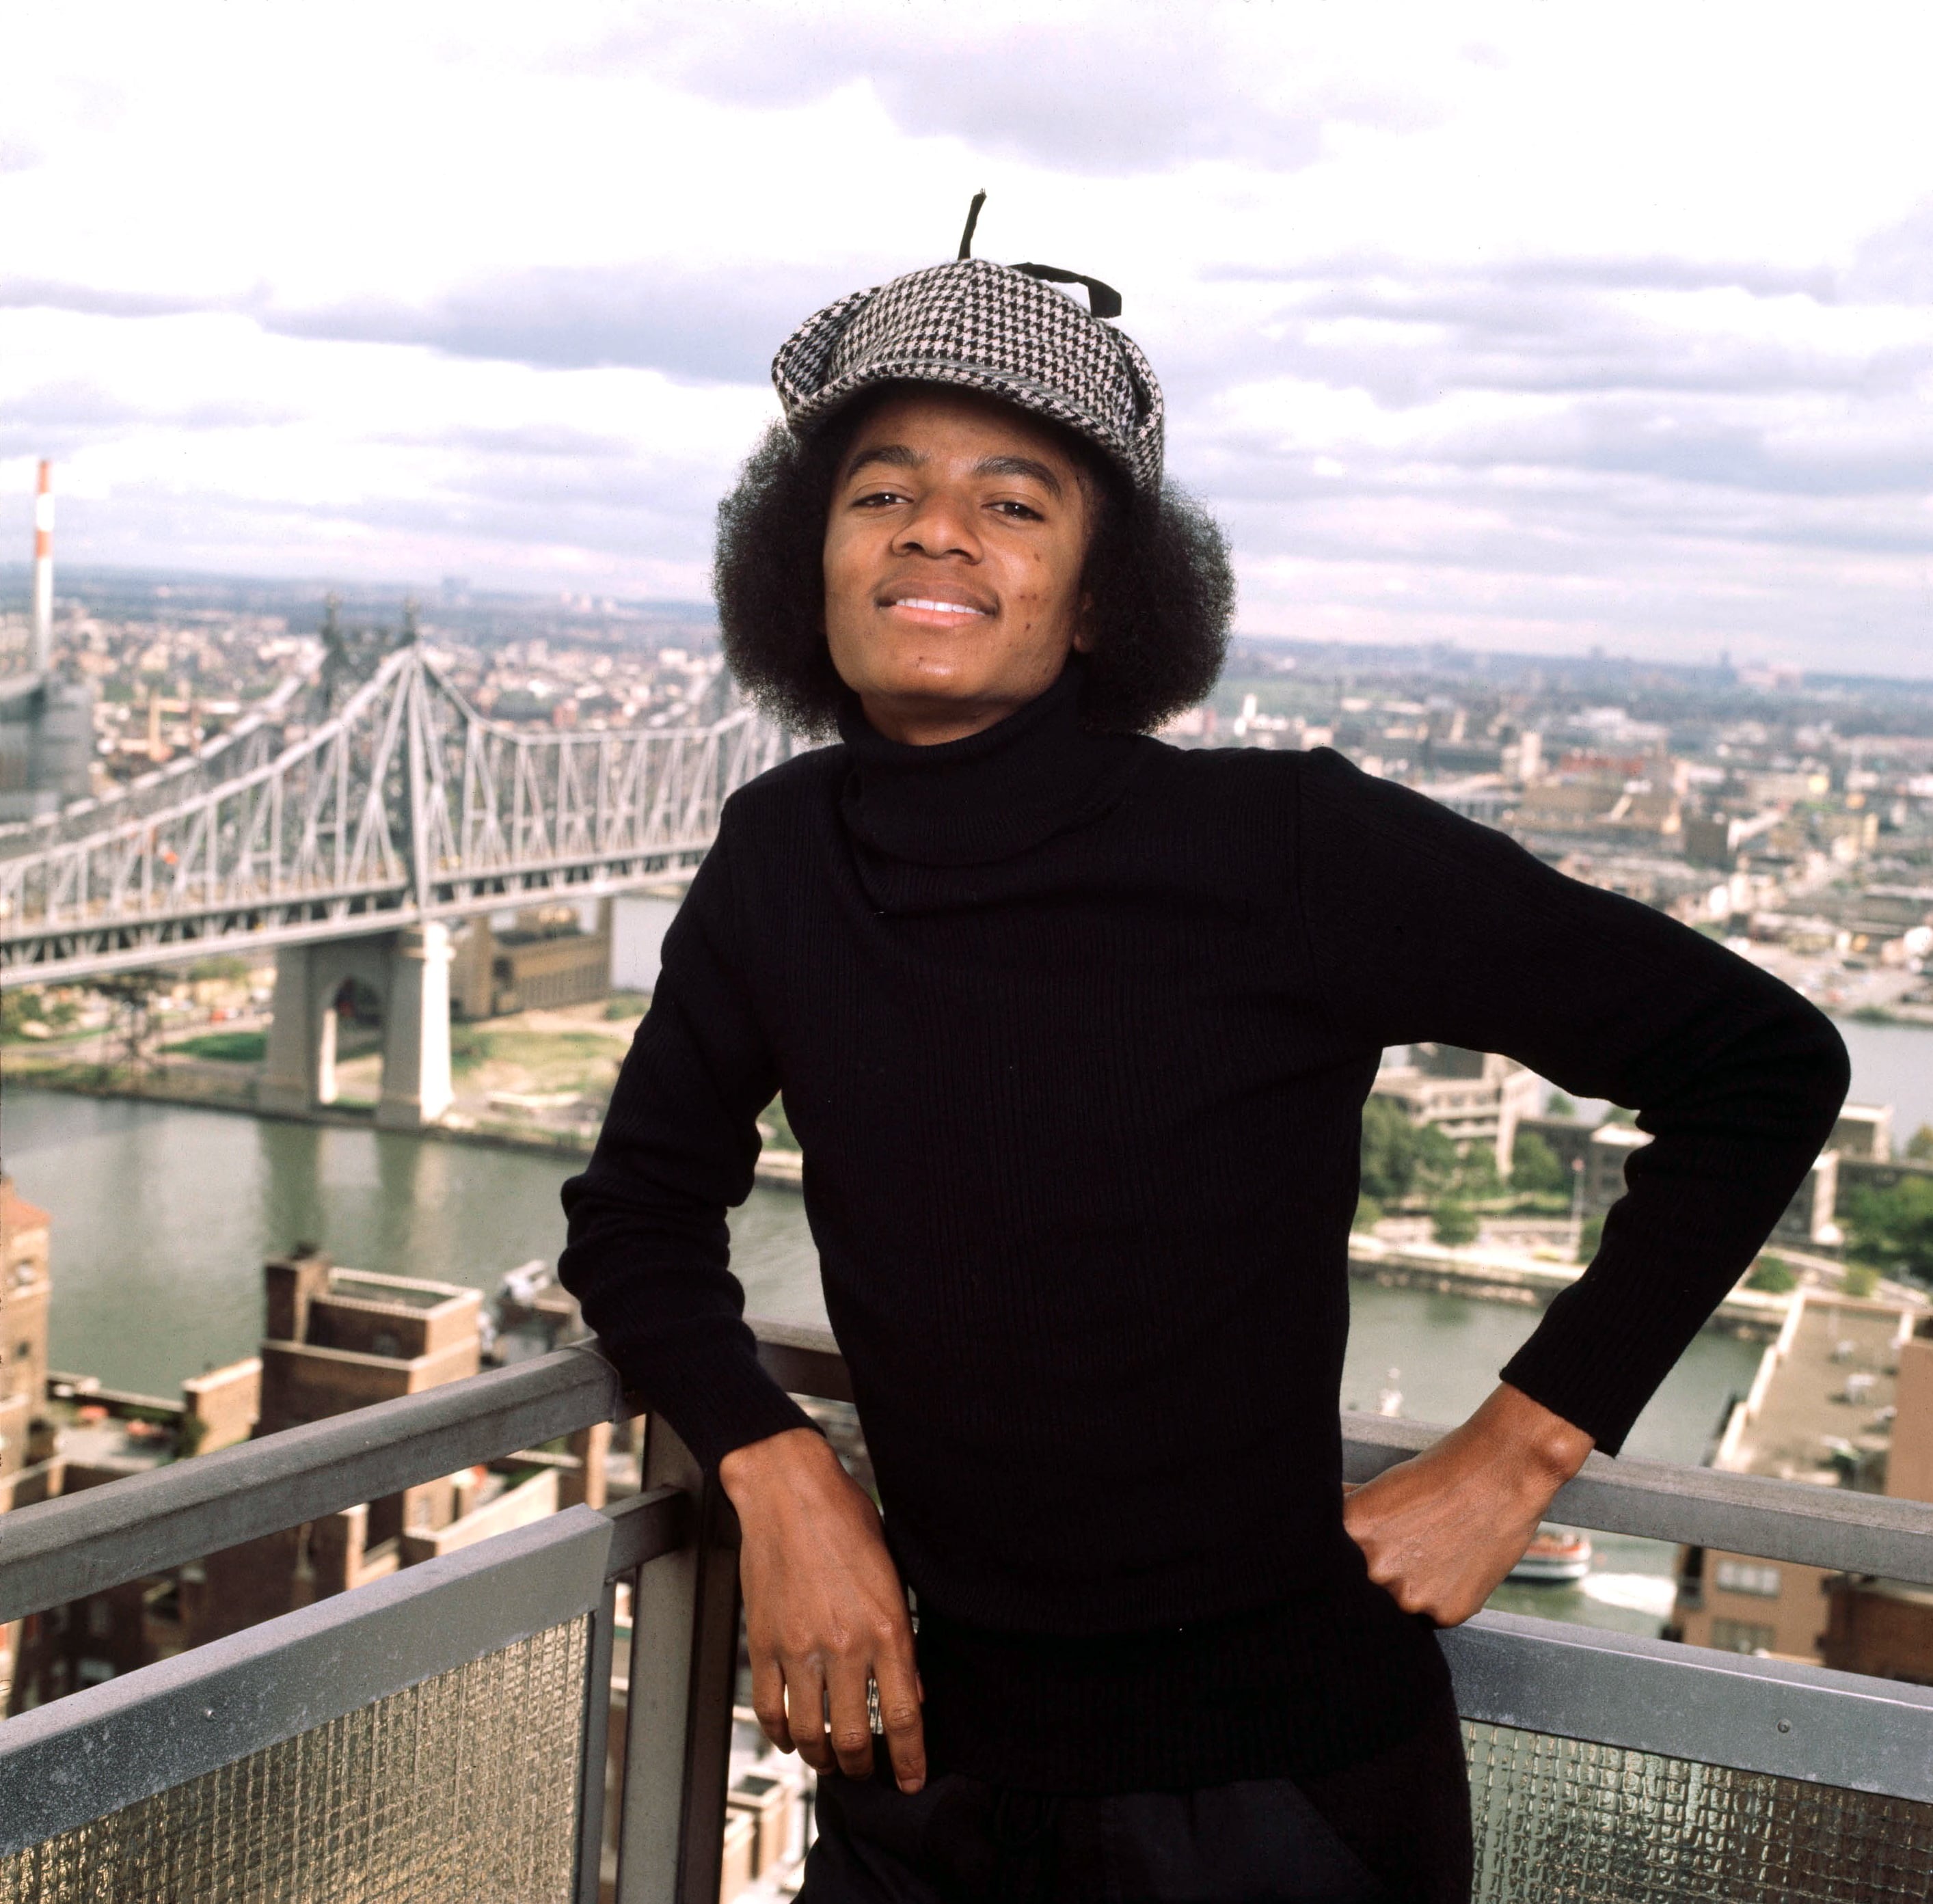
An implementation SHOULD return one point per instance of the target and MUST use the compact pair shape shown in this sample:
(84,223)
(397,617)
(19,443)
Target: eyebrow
(902,456)
(1019,466)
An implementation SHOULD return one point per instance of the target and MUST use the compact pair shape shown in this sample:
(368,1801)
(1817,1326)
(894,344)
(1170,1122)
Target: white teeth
(944,607)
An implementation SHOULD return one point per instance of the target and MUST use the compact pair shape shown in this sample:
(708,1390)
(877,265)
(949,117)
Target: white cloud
(1537,324)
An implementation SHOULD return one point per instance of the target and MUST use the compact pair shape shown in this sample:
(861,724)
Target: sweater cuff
(1596,1363)
(717,1404)
(1567,1387)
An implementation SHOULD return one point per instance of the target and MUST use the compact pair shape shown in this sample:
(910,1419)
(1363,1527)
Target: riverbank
(1485,1272)
(1480,1273)
(162,1213)
(198,1086)
(1899,1012)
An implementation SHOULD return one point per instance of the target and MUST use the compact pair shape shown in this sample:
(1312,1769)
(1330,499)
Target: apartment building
(1821,1411)
(1474,1097)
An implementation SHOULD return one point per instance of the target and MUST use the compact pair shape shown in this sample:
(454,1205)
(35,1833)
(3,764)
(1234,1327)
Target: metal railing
(282,1686)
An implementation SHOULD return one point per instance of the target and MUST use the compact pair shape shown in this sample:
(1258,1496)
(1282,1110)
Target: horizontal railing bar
(645,1527)
(1831,1527)
(66,1549)
(1780,1716)
(802,1360)
(1835,1528)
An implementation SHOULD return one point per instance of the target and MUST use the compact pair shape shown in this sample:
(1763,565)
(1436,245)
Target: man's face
(954,548)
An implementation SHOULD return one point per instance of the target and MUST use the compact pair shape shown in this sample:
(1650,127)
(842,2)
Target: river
(162,1215)
(1892,1064)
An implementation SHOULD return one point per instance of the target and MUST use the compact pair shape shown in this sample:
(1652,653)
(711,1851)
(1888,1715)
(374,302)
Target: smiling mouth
(936,611)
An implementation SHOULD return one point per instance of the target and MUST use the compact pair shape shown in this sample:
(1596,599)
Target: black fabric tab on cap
(972,219)
(1103,300)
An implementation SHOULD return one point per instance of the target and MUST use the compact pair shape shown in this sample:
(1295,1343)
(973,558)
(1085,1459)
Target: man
(1074,1029)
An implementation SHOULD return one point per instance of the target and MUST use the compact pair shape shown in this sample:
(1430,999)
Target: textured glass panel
(1559,1821)
(464,1788)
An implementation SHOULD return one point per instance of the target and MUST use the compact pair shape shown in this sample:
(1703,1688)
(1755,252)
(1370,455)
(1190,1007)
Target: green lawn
(552,1061)
(227,1047)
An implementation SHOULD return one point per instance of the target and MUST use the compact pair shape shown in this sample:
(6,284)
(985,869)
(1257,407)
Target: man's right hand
(824,1609)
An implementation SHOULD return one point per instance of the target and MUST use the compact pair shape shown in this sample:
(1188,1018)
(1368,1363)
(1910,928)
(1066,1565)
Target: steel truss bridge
(405,805)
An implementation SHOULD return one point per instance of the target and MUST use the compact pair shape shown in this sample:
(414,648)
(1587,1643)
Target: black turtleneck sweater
(1074,1031)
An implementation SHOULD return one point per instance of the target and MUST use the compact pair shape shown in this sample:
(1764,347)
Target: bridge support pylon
(416,1087)
(409,971)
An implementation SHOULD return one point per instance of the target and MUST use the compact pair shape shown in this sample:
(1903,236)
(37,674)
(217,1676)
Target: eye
(877,499)
(1017,512)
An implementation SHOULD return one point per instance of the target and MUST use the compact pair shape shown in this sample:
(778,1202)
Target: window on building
(1741,1636)
(1748,1577)
(92,1672)
(100,1617)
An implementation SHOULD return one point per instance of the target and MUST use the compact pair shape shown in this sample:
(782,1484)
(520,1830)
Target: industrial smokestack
(41,659)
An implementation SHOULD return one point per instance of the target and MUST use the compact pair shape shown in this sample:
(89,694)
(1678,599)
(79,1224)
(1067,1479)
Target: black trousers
(1392,1830)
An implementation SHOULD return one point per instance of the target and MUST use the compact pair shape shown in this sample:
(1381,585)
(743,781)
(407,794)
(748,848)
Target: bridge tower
(410,971)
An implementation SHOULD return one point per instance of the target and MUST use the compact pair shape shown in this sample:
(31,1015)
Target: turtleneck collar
(990,796)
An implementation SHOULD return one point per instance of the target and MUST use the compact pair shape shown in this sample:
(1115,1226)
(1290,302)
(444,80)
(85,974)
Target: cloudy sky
(1543,327)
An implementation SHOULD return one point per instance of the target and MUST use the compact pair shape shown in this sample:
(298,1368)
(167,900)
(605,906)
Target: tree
(33,1006)
(1860,1279)
(1454,1223)
(1558,1105)
(1590,1234)
(1920,1146)
(1773,1275)
(1893,1229)
(1368,1214)
(1477,1173)
(1401,1159)
(18,1008)
(1536,1167)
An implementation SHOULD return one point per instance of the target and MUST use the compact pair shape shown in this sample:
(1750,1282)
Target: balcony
(440,1733)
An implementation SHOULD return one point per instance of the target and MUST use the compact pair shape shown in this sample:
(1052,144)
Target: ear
(1083,628)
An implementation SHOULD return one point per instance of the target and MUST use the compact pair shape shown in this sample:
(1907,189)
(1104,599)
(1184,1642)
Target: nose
(941,525)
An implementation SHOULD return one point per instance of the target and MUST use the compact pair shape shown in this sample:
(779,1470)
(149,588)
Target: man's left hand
(1441,1529)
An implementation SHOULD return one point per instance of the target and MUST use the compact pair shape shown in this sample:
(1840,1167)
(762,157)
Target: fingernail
(909,1786)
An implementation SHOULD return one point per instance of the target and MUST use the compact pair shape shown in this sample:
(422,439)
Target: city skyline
(1535,334)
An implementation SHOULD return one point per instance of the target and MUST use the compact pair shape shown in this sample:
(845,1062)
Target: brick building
(25,1287)
(1820,1411)
(546,959)
(336,1339)
(1885,1627)
(58,1434)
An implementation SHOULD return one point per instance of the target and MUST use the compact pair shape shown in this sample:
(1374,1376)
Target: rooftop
(405,1291)
(1821,1409)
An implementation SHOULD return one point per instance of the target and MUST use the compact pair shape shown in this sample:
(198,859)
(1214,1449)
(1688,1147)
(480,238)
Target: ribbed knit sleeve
(648,1247)
(1423,925)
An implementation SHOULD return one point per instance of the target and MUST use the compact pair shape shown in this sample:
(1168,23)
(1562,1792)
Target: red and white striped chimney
(41,659)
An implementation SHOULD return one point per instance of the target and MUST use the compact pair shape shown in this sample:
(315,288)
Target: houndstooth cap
(982,326)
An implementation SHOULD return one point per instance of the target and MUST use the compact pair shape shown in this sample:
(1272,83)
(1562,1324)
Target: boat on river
(1555,1554)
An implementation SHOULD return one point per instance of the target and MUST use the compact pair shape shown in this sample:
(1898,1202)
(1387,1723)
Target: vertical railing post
(684,1663)
(596,1750)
